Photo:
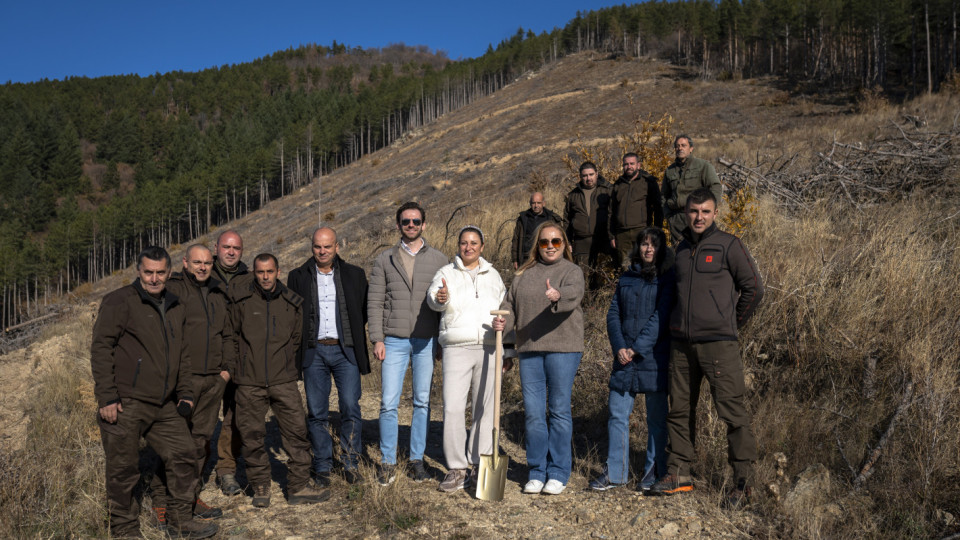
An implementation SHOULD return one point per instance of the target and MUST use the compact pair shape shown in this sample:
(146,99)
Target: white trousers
(467,371)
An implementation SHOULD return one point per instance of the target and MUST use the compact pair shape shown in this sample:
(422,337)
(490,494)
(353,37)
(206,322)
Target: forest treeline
(91,170)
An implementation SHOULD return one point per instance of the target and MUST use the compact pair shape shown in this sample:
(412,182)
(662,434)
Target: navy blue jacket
(639,319)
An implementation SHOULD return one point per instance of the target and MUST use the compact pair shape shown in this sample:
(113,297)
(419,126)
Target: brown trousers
(287,405)
(202,422)
(167,433)
(625,240)
(718,362)
(228,445)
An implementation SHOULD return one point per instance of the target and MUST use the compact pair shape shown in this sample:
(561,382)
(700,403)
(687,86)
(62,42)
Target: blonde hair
(533,257)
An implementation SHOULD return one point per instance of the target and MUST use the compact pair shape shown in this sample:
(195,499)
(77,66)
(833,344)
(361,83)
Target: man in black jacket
(718,290)
(527,223)
(141,383)
(332,344)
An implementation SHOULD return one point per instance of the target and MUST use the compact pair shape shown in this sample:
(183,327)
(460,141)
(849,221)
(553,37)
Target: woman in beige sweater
(544,305)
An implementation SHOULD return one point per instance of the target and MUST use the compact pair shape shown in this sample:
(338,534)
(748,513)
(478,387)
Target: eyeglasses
(544,242)
(406,221)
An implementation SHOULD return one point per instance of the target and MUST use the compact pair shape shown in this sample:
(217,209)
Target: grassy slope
(484,156)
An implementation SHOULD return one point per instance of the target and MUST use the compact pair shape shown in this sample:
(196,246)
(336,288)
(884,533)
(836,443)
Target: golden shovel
(492,477)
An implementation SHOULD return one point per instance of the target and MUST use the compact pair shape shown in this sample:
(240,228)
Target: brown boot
(192,529)
(261,496)
(309,495)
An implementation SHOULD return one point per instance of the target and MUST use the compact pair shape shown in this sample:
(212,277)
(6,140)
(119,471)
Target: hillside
(475,165)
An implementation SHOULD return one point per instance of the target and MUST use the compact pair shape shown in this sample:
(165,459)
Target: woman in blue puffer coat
(637,326)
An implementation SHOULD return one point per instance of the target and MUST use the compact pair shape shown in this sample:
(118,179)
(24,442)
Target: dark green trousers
(287,405)
(203,421)
(167,432)
(719,363)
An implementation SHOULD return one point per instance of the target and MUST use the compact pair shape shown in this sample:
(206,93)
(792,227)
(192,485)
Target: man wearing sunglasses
(403,330)
(527,223)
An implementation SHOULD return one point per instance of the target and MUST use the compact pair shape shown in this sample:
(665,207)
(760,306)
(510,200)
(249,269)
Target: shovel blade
(492,477)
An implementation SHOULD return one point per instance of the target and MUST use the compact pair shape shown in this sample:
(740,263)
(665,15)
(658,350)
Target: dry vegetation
(852,361)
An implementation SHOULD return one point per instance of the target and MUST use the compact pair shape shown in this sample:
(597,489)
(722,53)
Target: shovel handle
(497,374)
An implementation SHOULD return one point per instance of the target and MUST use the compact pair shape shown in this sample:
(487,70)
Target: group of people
(168,354)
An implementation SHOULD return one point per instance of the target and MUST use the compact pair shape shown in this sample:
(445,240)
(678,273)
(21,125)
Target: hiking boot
(455,480)
(738,497)
(386,474)
(671,484)
(322,479)
(418,471)
(603,483)
(202,510)
(352,476)
(229,485)
(308,495)
(261,496)
(192,529)
(161,514)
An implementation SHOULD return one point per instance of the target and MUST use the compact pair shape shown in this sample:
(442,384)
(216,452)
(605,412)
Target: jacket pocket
(709,260)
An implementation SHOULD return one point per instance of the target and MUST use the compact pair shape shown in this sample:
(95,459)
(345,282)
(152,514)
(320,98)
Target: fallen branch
(866,471)
(30,322)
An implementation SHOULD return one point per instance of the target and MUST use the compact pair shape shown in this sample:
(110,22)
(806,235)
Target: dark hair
(700,196)
(154,253)
(631,154)
(411,206)
(264,257)
(470,228)
(587,165)
(683,136)
(659,239)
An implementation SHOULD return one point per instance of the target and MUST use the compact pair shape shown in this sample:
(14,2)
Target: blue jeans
(618,429)
(547,382)
(328,361)
(399,354)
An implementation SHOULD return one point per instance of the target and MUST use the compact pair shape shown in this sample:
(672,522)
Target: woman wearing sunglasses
(544,305)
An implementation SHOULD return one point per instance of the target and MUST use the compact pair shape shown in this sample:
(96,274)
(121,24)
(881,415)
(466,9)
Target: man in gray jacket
(718,290)
(403,330)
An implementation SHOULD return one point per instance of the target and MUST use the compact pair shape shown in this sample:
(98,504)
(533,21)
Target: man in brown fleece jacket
(267,321)
(140,383)
(207,331)
(718,289)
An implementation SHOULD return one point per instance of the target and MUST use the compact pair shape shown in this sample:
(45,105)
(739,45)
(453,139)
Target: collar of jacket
(310,265)
(398,247)
(168,298)
(689,236)
(277,292)
(485,266)
(239,270)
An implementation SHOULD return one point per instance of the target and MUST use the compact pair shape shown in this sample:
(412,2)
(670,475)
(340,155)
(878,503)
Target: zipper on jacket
(693,257)
(206,352)
(166,346)
(266,346)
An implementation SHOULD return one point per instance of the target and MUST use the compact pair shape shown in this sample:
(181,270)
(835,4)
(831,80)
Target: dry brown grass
(53,485)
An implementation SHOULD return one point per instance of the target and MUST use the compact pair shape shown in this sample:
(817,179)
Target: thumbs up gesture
(552,294)
(442,294)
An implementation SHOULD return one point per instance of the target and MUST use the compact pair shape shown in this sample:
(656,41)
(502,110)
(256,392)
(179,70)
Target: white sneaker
(554,487)
(533,486)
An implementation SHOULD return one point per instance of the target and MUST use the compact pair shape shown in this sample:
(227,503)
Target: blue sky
(55,39)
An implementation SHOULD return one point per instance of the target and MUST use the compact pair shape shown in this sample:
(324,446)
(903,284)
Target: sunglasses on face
(544,242)
(406,221)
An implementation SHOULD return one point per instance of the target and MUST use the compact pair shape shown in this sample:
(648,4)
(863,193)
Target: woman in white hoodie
(464,292)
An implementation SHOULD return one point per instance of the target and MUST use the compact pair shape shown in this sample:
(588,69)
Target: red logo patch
(709,258)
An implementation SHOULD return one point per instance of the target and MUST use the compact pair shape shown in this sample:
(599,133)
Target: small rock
(268,532)
(944,517)
(694,527)
(585,516)
(637,518)
(669,530)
